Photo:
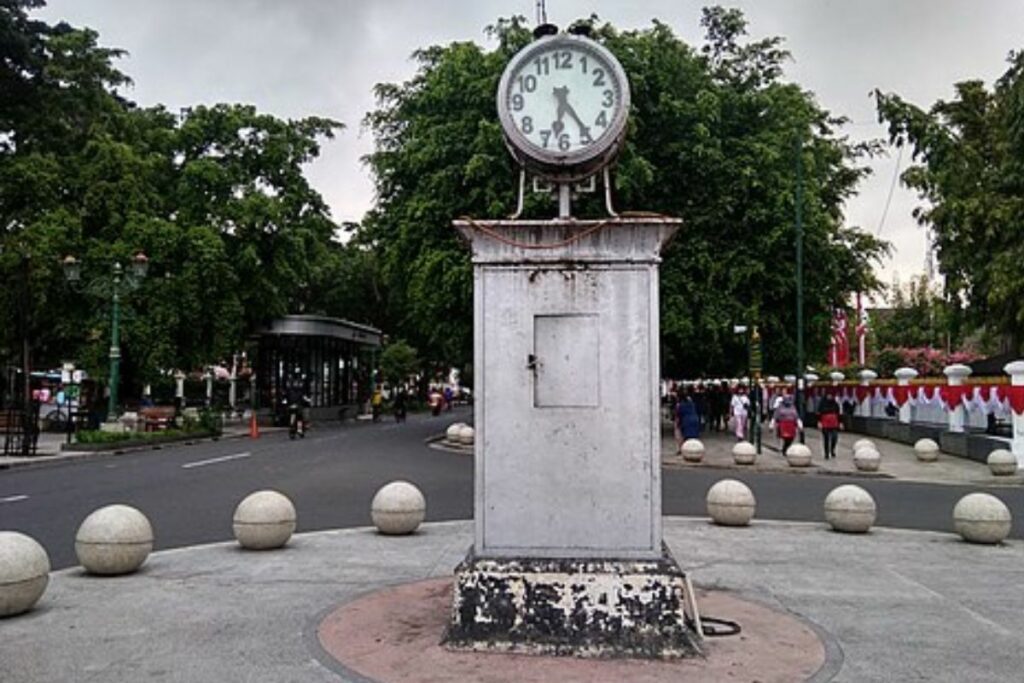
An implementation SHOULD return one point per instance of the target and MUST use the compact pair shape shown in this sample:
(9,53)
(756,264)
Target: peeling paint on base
(582,607)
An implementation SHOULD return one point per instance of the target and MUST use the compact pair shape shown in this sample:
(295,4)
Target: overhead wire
(892,188)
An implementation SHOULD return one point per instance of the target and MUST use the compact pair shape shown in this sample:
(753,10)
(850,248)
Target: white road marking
(13,499)
(213,461)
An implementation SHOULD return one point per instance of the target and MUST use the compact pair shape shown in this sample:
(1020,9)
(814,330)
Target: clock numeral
(563,60)
(527,125)
(583,63)
(602,120)
(598,76)
(517,102)
(545,137)
(542,66)
(526,83)
(609,98)
(563,142)
(585,138)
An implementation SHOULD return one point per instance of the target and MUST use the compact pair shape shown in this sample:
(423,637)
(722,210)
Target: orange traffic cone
(254,427)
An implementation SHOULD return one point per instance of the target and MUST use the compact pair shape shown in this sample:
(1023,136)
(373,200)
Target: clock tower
(568,555)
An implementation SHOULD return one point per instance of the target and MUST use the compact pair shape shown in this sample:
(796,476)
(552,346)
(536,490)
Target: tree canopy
(214,195)
(713,138)
(969,173)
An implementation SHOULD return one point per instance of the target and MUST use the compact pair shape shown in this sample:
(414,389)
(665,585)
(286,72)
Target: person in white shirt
(739,407)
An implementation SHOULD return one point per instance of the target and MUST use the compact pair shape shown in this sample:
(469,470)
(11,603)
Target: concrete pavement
(898,460)
(890,606)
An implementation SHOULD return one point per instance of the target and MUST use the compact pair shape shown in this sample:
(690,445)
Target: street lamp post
(139,267)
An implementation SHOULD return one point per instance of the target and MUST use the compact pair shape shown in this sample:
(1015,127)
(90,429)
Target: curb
(76,456)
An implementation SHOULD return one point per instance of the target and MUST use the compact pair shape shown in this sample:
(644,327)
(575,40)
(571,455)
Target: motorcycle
(296,422)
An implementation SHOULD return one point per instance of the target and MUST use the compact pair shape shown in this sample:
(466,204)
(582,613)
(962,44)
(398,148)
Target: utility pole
(115,346)
(799,280)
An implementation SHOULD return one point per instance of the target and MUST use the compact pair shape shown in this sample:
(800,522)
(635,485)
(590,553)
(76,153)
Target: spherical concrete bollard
(982,518)
(466,435)
(744,453)
(926,450)
(1002,462)
(798,455)
(867,459)
(451,435)
(113,540)
(693,450)
(24,573)
(264,520)
(398,508)
(863,443)
(730,503)
(850,509)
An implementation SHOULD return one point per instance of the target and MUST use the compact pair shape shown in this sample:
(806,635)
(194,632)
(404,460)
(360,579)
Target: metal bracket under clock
(564,191)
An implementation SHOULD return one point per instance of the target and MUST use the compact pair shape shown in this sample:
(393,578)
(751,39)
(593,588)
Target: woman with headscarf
(786,421)
(687,418)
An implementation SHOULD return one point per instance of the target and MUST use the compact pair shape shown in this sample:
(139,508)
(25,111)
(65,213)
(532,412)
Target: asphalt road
(189,493)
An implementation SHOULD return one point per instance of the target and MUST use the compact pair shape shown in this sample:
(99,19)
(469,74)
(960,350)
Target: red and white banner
(839,349)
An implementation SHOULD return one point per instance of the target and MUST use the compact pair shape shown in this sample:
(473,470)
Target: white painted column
(209,387)
(233,388)
(1016,372)
(955,376)
(903,377)
(179,387)
(836,378)
(866,378)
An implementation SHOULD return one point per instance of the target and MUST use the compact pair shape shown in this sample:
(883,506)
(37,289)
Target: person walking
(399,404)
(687,419)
(739,409)
(787,423)
(828,421)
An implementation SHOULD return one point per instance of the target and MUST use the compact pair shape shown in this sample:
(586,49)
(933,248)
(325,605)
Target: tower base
(581,607)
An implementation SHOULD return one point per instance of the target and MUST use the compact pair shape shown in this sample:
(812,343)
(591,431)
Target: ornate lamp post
(118,279)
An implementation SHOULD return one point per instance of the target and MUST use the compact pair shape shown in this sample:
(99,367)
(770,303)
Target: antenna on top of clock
(543,27)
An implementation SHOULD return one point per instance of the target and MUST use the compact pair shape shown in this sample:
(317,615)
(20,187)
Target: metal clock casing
(563,103)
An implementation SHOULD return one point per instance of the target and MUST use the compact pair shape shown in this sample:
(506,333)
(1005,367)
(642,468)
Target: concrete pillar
(179,387)
(209,387)
(866,378)
(955,376)
(1016,372)
(233,388)
(903,377)
(836,378)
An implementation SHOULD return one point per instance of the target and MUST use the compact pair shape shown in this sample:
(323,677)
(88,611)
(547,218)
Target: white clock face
(563,98)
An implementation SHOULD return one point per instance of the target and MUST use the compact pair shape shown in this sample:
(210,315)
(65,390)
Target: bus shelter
(331,355)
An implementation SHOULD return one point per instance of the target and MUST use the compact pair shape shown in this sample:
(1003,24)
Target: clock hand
(562,95)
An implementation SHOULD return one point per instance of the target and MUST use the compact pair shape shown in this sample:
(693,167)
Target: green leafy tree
(968,173)
(713,138)
(214,195)
(398,362)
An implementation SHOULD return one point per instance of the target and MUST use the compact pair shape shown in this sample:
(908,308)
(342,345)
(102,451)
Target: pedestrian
(828,422)
(687,419)
(376,403)
(739,408)
(399,404)
(786,421)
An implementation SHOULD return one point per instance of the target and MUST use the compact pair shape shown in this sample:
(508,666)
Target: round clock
(563,101)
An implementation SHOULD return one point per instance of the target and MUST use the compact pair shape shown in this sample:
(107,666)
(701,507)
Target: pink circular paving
(394,635)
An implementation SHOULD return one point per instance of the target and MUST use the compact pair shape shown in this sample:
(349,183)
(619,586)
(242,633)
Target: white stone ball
(398,508)
(744,453)
(24,572)
(926,450)
(867,460)
(451,435)
(115,539)
(466,435)
(693,450)
(863,443)
(264,520)
(798,455)
(731,503)
(850,509)
(1002,462)
(982,518)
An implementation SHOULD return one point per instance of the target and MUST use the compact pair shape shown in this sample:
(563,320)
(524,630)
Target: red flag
(839,351)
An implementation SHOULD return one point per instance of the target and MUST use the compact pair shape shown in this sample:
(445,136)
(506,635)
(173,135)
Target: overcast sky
(300,57)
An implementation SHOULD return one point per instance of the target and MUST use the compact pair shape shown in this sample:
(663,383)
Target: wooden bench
(157,418)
